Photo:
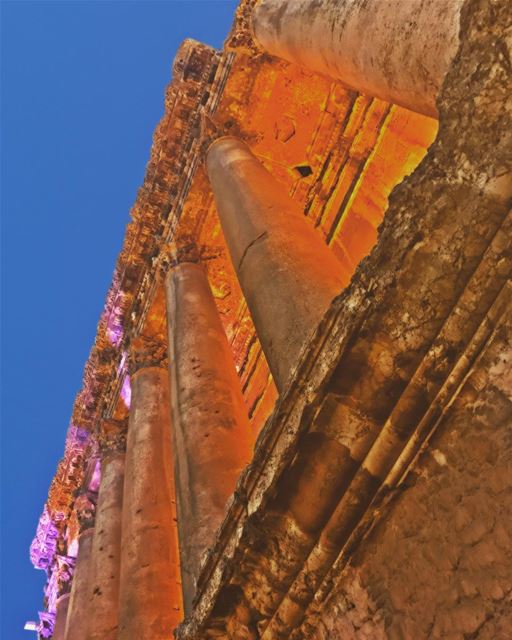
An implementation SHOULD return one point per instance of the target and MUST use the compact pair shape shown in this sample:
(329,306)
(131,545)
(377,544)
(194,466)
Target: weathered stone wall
(440,564)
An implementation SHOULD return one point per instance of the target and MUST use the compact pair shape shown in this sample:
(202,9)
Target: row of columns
(187,442)
(126,583)
(127,577)
(396,51)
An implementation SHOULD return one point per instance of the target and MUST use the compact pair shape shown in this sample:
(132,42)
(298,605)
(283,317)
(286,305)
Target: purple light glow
(52,591)
(42,549)
(46,624)
(94,484)
(114,321)
(76,438)
(73,547)
(126,391)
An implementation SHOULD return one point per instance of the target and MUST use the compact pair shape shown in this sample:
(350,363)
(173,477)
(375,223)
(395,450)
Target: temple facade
(295,420)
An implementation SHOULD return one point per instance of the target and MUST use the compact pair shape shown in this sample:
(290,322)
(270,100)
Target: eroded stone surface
(440,564)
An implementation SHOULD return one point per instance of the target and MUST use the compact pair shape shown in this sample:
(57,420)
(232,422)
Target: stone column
(78,612)
(59,630)
(396,51)
(150,598)
(212,439)
(287,273)
(65,566)
(106,547)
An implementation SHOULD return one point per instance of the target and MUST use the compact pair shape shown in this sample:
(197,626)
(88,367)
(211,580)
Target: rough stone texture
(389,324)
(397,52)
(440,565)
(442,257)
(287,273)
(150,598)
(106,551)
(59,630)
(78,611)
(212,439)
(159,202)
(357,148)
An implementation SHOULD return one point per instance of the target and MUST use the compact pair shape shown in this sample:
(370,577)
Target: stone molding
(158,204)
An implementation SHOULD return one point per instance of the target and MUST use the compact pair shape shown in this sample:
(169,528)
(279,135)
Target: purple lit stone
(42,549)
(94,484)
(73,548)
(46,624)
(76,438)
(115,335)
(114,323)
(126,391)
(52,592)
(122,365)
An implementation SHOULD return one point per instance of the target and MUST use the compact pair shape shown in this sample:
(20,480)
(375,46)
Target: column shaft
(396,51)
(59,630)
(287,273)
(106,548)
(150,602)
(212,439)
(78,613)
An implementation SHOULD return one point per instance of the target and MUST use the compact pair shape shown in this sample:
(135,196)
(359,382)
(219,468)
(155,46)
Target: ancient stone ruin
(295,421)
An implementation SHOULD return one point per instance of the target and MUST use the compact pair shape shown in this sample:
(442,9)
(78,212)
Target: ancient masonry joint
(295,419)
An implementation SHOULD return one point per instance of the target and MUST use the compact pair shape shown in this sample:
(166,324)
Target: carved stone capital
(183,249)
(85,510)
(146,352)
(65,568)
(210,131)
(112,436)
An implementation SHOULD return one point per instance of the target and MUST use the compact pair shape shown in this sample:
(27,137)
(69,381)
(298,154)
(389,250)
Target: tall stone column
(212,439)
(106,547)
(150,598)
(59,630)
(78,611)
(287,273)
(65,566)
(396,51)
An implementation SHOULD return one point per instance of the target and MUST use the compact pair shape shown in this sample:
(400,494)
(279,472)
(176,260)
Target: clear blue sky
(82,90)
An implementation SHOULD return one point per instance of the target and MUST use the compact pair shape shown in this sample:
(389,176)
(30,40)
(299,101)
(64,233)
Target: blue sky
(82,90)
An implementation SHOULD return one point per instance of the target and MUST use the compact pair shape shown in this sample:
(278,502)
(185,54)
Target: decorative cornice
(240,37)
(169,172)
(159,201)
(200,73)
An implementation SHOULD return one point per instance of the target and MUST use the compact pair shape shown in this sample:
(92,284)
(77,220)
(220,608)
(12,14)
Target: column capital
(145,352)
(85,509)
(112,436)
(65,568)
(211,131)
(182,249)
